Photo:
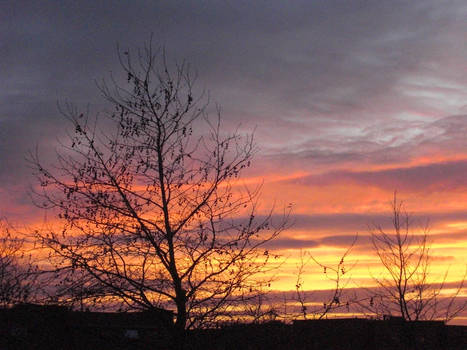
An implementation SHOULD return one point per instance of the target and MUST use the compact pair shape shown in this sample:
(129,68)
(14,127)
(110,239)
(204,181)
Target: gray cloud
(324,81)
(341,229)
(432,177)
(361,243)
(391,143)
(353,222)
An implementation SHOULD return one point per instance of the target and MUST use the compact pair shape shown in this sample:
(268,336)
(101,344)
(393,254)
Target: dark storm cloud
(283,243)
(342,229)
(432,177)
(363,242)
(310,74)
(360,222)
(392,143)
(359,243)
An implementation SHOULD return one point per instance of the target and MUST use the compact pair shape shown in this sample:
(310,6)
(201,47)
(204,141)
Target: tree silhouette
(17,273)
(408,288)
(150,199)
(338,274)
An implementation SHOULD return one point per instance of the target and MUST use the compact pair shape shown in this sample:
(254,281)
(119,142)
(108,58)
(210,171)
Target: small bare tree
(338,274)
(258,306)
(17,273)
(408,289)
(150,200)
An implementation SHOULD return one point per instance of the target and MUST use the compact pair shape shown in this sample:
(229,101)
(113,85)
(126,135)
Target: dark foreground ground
(38,327)
(335,334)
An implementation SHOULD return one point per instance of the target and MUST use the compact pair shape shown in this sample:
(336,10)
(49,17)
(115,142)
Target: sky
(349,100)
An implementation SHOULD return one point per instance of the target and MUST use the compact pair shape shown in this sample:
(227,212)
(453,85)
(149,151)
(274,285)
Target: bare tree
(408,288)
(258,306)
(338,274)
(17,273)
(150,199)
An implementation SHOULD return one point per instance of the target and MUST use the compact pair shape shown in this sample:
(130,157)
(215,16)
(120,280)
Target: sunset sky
(350,101)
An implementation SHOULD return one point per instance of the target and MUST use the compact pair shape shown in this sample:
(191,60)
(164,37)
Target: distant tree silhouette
(408,288)
(338,274)
(257,308)
(150,199)
(17,273)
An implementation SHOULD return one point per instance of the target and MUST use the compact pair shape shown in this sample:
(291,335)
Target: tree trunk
(179,333)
